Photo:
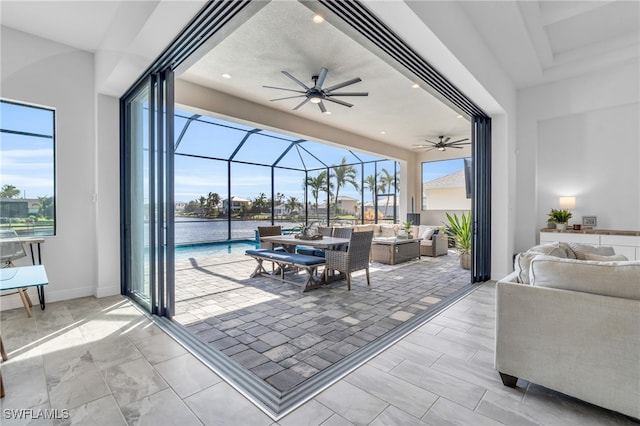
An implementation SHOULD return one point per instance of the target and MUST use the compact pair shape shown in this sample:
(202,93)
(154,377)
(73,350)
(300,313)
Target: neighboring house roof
(237,199)
(452,180)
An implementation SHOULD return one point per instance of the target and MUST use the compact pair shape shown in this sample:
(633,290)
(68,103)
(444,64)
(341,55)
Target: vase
(561,226)
(465,260)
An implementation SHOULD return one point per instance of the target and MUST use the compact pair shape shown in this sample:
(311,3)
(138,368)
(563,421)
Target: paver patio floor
(284,336)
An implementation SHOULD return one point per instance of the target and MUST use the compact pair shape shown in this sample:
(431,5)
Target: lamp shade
(567,202)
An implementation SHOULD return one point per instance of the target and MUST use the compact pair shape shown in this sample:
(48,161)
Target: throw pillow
(523,260)
(600,258)
(581,249)
(428,233)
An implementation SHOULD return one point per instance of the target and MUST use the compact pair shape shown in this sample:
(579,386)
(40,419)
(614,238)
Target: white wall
(35,70)
(581,137)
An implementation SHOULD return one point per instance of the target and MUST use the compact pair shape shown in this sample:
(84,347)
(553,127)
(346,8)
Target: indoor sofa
(574,328)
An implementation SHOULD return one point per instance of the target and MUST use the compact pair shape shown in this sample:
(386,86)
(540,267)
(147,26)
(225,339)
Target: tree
(9,191)
(213,200)
(260,203)
(387,182)
(46,207)
(318,184)
(344,174)
(292,204)
(374,186)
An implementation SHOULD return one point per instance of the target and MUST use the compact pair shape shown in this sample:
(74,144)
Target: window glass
(446,185)
(27,172)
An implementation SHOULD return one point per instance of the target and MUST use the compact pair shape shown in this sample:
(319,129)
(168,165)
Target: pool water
(211,249)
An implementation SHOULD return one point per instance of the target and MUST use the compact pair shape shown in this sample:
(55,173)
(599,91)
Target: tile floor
(101,362)
(284,336)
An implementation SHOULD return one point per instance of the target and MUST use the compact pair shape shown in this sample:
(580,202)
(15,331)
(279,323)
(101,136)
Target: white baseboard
(13,301)
(105,291)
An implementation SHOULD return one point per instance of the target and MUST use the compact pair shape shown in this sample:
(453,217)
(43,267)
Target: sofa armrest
(581,344)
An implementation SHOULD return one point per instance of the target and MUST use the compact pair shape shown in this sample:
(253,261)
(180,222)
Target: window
(446,185)
(27,168)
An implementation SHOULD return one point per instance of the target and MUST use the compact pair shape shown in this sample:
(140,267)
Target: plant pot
(561,226)
(465,260)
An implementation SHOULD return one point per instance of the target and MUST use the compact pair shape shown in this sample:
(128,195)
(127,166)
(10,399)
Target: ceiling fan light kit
(316,94)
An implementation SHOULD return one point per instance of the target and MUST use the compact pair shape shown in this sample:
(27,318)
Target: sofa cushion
(427,233)
(581,249)
(600,258)
(617,279)
(523,260)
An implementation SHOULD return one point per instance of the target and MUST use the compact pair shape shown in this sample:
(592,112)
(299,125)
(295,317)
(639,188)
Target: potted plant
(407,227)
(560,217)
(459,229)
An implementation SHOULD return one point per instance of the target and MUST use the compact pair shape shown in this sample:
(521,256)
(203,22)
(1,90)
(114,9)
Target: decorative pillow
(617,279)
(565,247)
(581,249)
(523,260)
(428,233)
(600,258)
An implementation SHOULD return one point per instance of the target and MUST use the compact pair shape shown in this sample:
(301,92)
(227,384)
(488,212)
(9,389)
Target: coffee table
(393,250)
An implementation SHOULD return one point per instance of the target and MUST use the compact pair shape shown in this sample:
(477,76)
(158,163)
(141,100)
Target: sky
(26,162)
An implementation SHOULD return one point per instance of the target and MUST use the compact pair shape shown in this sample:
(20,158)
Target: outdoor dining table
(289,242)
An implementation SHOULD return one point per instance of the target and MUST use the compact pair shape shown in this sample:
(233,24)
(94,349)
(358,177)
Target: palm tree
(46,207)
(9,191)
(387,181)
(202,200)
(292,204)
(261,202)
(344,174)
(374,186)
(318,184)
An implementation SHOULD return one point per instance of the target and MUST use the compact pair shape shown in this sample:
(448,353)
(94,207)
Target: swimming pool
(211,249)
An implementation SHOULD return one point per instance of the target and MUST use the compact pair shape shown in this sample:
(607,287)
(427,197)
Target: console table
(623,242)
(391,251)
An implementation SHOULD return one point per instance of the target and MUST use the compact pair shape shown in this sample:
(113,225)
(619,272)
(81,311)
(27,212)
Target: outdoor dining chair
(354,259)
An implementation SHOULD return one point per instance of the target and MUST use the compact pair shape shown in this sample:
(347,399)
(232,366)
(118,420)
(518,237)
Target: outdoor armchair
(354,259)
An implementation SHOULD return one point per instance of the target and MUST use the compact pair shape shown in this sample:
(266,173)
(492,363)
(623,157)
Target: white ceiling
(533,41)
(258,51)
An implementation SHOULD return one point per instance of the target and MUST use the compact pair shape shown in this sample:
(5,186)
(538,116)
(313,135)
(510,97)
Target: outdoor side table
(22,277)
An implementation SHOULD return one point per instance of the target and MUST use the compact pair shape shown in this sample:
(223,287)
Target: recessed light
(459,116)
(415,86)
(318,19)
(328,112)
(225,75)
(383,132)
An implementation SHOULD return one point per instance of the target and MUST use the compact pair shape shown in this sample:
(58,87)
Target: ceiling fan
(316,94)
(443,144)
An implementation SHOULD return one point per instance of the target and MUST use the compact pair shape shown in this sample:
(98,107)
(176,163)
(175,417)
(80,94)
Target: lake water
(190,230)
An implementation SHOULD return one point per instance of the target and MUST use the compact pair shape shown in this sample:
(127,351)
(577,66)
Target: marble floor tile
(114,351)
(394,416)
(337,420)
(460,391)
(161,408)
(25,386)
(403,395)
(445,412)
(159,348)
(71,390)
(186,375)
(100,412)
(220,404)
(352,403)
(133,381)
(311,413)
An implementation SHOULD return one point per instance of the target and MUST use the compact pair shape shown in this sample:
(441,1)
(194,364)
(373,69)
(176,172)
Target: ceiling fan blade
(453,146)
(296,80)
(321,106)
(301,103)
(282,88)
(431,142)
(460,140)
(321,77)
(287,97)
(348,94)
(446,139)
(343,84)
(338,101)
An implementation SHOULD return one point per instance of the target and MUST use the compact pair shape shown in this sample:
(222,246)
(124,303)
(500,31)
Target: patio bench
(283,259)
